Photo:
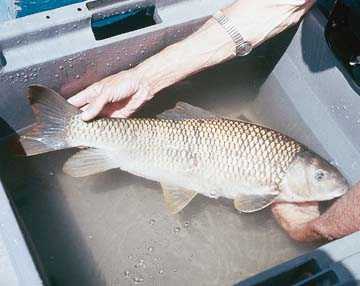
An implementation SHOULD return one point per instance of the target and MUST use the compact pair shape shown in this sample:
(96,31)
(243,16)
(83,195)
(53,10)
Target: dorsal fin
(184,110)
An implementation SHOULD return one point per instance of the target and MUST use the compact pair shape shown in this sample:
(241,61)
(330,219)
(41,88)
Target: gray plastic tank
(113,228)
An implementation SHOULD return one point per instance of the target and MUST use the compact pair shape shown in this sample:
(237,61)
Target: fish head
(311,178)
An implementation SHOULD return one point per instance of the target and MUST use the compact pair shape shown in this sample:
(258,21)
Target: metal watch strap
(242,47)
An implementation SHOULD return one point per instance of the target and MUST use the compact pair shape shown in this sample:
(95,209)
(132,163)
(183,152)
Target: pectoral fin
(248,203)
(88,162)
(176,198)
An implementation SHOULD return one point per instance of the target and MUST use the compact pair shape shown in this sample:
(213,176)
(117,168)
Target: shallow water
(113,228)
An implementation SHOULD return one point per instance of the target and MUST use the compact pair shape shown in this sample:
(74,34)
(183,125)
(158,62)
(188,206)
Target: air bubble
(140,264)
(61,67)
(177,229)
(186,224)
(138,280)
(127,273)
(77,76)
(51,173)
(130,257)
(152,221)
(161,271)
(150,249)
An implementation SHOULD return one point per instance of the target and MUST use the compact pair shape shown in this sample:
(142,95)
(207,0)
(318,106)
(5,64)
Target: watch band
(242,47)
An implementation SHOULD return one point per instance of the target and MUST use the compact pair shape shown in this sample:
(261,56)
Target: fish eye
(319,175)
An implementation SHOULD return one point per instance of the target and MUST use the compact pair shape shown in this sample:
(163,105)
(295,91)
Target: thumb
(94,108)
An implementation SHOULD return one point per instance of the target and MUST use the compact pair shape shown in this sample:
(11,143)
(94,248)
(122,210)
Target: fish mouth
(340,191)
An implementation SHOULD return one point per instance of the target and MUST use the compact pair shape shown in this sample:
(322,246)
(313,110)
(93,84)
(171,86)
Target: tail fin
(52,113)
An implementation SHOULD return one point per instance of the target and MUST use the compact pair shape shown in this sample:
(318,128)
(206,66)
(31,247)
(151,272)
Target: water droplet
(161,271)
(108,65)
(130,257)
(138,280)
(186,224)
(213,194)
(90,236)
(74,26)
(130,65)
(56,75)
(77,76)
(150,249)
(61,67)
(358,121)
(118,58)
(51,173)
(127,273)
(17,74)
(18,42)
(175,270)
(176,229)
(347,116)
(70,65)
(142,51)
(152,221)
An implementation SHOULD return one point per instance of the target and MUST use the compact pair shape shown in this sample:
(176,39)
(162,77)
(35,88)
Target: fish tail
(52,114)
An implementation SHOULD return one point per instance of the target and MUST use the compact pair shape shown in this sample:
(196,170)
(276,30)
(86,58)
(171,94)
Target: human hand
(304,222)
(118,95)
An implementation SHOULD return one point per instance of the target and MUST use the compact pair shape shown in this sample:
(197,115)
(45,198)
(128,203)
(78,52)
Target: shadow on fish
(189,151)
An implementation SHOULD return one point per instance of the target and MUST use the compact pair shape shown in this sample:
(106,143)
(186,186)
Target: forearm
(257,21)
(208,46)
(341,219)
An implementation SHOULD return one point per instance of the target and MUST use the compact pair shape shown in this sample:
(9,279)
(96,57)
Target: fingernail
(85,116)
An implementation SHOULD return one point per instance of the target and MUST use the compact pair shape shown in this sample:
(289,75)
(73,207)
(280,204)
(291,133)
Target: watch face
(244,49)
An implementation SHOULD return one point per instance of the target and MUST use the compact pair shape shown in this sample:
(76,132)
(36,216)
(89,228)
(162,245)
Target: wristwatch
(243,47)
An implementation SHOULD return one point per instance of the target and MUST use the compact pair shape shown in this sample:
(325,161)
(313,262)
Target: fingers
(94,108)
(136,101)
(84,96)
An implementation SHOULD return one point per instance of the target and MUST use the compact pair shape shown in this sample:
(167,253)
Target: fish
(188,150)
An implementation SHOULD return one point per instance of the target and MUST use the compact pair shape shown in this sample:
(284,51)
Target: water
(98,228)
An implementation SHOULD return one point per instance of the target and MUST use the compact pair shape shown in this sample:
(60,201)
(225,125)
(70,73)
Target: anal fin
(176,198)
(88,162)
(249,203)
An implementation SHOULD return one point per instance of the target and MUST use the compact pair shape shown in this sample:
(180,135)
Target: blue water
(27,7)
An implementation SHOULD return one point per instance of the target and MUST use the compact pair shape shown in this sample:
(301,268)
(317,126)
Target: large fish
(189,151)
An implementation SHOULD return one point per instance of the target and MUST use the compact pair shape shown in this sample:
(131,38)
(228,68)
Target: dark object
(2,60)
(343,36)
(124,22)
(314,269)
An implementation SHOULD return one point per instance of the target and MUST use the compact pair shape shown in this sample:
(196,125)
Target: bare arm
(121,94)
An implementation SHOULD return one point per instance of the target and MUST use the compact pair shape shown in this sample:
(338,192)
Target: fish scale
(226,149)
